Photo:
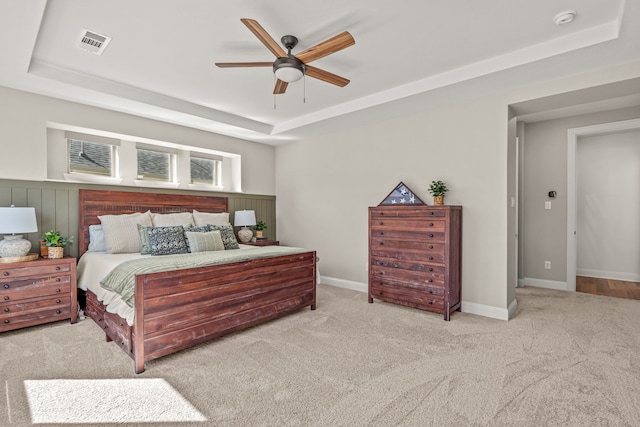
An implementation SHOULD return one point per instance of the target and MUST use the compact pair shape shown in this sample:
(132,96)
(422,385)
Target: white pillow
(172,219)
(121,231)
(203,242)
(204,218)
(96,239)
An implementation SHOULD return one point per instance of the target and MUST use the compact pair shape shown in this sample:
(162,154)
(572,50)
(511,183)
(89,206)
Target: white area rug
(107,401)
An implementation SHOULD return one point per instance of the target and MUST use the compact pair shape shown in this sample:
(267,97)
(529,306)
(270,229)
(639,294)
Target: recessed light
(564,17)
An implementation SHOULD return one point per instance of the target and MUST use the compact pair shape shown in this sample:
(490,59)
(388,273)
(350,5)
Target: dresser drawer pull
(58,301)
(430,224)
(430,269)
(431,213)
(430,246)
(430,291)
(58,268)
(6,298)
(382,273)
(430,234)
(58,311)
(381,223)
(429,280)
(430,258)
(6,310)
(7,321)
(57,279)
(58,290)
(430,302)
(381,243)
(382,233)
(6,273)
(6,286)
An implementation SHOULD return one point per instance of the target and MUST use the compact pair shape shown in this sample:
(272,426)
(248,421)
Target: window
(205,171)
(155,165)
(90,157)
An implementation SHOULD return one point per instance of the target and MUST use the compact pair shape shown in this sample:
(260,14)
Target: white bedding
(93,267)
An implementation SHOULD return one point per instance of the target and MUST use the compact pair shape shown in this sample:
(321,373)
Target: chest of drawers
(415,256)
(39,291)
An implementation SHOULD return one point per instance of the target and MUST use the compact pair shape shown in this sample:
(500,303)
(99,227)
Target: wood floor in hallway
(608,287)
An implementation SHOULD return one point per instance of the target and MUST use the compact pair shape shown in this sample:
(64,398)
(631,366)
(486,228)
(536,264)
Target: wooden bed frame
(178,309)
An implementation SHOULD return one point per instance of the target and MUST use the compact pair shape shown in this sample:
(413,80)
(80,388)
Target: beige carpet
(566,359)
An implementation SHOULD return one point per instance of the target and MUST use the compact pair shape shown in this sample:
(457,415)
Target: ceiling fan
(289,68)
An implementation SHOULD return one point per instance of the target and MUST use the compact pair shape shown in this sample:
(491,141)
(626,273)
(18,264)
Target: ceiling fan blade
(243,64)
(264,37)
(280,88)
(326,76)
(327,47)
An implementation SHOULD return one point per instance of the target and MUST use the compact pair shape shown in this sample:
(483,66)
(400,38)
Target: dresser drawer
(410,235)
(32,288)
(421,276)
(412,297)
(409,251)
(35,317)
(12,308)
(407,212)
(385,224)
(41,268)
(118,330)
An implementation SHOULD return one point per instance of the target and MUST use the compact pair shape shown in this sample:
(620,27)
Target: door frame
(572,197)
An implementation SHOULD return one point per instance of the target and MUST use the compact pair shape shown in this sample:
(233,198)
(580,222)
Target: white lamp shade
(244,218)
(18,220)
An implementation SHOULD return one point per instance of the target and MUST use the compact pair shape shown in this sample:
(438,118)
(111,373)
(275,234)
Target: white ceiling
(408,55)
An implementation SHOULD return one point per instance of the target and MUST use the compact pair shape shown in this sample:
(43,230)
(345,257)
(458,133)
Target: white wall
(608,205)
(324,186)
(23,137)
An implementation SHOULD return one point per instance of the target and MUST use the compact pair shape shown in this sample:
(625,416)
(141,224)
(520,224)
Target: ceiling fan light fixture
(288,70)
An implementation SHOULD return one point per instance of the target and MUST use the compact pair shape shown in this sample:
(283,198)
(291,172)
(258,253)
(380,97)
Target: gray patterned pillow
(226,232)
(167,240)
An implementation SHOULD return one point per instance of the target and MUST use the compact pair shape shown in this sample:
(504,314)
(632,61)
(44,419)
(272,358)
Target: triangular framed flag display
(402,195)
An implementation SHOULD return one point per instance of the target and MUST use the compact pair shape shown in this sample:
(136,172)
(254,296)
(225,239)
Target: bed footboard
(183,308)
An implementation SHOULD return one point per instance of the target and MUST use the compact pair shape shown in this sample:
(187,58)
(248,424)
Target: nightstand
(36,292)
(264,243)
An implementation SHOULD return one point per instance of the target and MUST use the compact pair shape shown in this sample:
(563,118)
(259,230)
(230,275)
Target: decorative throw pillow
(204,218)
(121,231)
(167,240)
(194,229)
(145,244)
(96,239)
(165,220)
(226,232)
(204,242)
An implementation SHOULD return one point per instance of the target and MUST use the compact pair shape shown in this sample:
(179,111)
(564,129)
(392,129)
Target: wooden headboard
(92,203)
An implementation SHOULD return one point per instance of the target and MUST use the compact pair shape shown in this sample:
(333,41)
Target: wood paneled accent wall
(56,205)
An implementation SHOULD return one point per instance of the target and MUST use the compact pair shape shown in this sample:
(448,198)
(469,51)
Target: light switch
(547,205)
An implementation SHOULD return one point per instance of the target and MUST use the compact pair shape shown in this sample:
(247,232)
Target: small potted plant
(52,244)
(260,227)
(438,190)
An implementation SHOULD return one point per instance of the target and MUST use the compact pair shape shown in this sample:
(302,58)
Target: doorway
(594,223)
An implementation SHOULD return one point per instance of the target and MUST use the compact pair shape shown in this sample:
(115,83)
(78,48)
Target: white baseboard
(513,307)
(547,284)
(614,275)
(467,307)
(346,284)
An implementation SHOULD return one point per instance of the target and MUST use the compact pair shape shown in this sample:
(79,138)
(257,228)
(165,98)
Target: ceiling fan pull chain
(304,89)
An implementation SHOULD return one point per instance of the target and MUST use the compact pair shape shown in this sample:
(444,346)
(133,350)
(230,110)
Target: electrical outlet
(547,205)
(547,265)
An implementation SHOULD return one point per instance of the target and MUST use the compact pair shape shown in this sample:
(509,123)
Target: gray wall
(608,205)
(56,205)
(544,232)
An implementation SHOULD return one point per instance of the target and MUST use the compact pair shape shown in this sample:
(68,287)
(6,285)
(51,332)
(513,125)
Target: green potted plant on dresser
(52,244)
(260,227)
(438,189)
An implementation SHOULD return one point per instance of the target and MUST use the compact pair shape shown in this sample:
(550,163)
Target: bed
(178,309)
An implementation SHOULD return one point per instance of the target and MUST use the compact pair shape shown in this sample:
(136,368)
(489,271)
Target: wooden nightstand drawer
(11,308)
(8,323)
(8,273)
(58,285)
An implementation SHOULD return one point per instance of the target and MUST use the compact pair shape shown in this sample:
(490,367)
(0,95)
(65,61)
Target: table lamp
(243,219)
(16,220)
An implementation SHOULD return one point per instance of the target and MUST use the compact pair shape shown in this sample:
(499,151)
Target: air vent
(93,42)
